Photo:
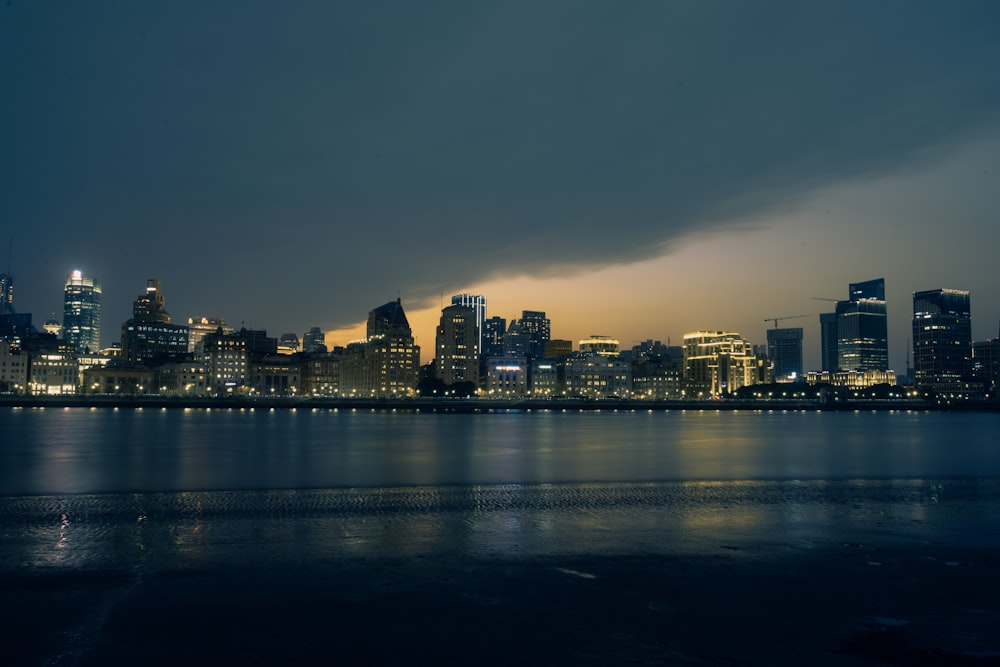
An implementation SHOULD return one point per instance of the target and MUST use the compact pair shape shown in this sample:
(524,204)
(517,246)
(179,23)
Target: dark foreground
(847,573)
(836,608)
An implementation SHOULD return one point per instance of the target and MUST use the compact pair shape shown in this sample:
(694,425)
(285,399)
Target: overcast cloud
(294,164)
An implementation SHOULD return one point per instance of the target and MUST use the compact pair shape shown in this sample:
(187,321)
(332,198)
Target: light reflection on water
(97,451)
(210,529)
(198,488)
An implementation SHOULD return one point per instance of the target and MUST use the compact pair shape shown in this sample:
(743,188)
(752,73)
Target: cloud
(301,165)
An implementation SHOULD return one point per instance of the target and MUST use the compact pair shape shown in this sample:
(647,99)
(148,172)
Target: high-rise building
(313,341)
(986,364)
(457,346)
(478,304)
(387,362)
(828,341)
(493,332)
(784,349)
(149,337)
(538,329)
(82,312)
(288,343)
(862,329)
(942,340)
(6,294)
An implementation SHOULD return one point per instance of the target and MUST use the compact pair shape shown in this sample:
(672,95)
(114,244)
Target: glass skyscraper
(942,339)
(862,328)
(784,349)
(82,312)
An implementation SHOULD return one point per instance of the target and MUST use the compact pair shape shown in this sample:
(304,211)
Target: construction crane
(787,317)
(820,298)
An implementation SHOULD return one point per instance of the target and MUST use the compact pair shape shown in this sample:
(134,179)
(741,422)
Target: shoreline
(484,405)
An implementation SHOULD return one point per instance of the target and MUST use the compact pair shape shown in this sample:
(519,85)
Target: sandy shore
(847,604)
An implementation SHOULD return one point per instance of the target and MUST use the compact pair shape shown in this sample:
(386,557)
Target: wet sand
(839,604)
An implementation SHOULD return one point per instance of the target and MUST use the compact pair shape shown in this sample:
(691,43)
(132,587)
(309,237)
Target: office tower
(149,337)
(986,363)
(387,362)
(538,329)
(314,341)
(478,304)
(82,312)
(6,294)
(784,349)
(828,341)
(457,346)
(199,327)
(493,332)
(862,330)
(150,305)
(942,340)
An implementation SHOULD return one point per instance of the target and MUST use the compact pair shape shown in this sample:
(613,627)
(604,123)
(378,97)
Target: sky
(635,169)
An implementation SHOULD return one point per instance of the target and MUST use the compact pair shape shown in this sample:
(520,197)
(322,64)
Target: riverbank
(473,405)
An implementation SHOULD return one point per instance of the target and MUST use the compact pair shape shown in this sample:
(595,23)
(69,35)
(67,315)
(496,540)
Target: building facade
(942,340)
(149,337)
(784,349)
(82,312)
(387,362)
(720,362)
(862,328)
(456,356)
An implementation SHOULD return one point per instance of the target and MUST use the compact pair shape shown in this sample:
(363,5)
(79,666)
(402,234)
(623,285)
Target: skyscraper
(538,329)
(942,339)
(862,329)
(457,346)
(6,294)
(82,312)
(478,304)
(149,337)
(784,349)
(314,340)
(828,341)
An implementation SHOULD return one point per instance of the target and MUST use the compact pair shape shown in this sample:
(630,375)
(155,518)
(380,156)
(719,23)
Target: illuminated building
(507,376)
(321,374)
(862,330)
(53,327)
(545,378)
(53,367)
(851,379)
(82,312)
(313,341)
(276,376)
(657,371)
(149,337)
(719,362)
(986,363)
(6,294)
(387,362)
(457,346)
(227,358)
(493,332)
(784,349)
(182,378)
(478,304)
(537,328)
(199,327)
(942,340)
(597,375)
(603,345)
(13,370)
(114,379)
(288,343)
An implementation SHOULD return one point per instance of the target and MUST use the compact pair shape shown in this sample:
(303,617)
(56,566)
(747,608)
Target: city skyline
(640,171)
